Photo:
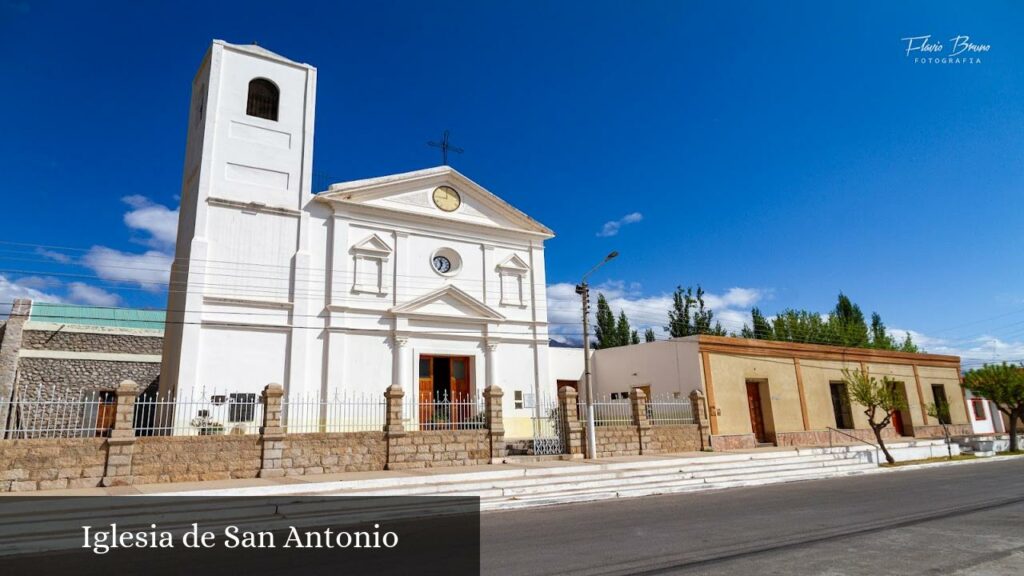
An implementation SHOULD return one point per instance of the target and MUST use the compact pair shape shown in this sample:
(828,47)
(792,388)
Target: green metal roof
(93,316)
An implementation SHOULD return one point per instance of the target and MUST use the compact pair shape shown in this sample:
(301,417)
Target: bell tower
(243,234)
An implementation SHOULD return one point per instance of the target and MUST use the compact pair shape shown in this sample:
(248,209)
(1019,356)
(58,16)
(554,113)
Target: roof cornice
(751,347)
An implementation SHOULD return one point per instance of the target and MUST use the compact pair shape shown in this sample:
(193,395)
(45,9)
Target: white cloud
(611,228)
(53,255)
(157,220)
(39,282)
(150,270)
(11,289)
(81,293)
(973,352)
(731,308)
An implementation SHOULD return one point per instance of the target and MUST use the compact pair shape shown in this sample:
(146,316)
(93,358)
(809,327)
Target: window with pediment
(369,265)
(512,274)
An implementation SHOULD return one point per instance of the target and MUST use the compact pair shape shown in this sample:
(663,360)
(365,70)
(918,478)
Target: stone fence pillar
(700,416)
(121,442)
(638,402)
(572,428)
(10,344)
(271,432)
(495,426)
(394,424)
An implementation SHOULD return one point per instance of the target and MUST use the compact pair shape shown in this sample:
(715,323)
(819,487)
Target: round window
(445,261)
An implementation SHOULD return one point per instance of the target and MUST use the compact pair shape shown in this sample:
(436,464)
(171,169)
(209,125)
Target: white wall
(668,367)
(986,425)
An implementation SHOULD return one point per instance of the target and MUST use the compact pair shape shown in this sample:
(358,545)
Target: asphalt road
(966,519)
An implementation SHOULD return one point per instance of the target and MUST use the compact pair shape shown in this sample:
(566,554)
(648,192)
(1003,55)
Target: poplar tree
(604,329)
(649,335)
(847,323)
(679,323)
(880,338)
(689,316)
(623,331)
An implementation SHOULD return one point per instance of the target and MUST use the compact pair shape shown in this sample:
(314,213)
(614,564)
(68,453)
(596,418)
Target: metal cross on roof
(445,146)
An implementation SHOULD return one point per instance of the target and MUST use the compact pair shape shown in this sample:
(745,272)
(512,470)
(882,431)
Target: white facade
(348,290)
(985,417)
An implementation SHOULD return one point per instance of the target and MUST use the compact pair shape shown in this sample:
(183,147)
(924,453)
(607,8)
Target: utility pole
(583,289)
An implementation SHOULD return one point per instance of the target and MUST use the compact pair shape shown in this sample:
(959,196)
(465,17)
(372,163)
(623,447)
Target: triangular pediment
(411,193)
(514,264)
(448,302)
(372,244)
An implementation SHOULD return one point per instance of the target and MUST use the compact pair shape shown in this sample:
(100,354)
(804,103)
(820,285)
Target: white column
(492,363)
(400,365)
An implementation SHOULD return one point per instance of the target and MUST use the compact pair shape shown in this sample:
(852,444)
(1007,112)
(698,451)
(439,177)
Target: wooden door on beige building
(756,410)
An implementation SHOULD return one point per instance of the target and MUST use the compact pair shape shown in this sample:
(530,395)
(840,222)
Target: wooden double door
(444,389)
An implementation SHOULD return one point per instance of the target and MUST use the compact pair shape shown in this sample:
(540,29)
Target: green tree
(649,335)
(634,338)
(689,315)
(760,328)
(908,345)
(801,326)
(880,337)
(605,329)
(847,324)
(679,320)
(623,330)
(1003,384)
(704,318)
(880,400)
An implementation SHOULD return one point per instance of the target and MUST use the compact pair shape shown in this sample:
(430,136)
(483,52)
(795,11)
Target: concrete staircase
(560,483)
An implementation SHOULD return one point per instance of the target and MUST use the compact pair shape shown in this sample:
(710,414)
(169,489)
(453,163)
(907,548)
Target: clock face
(442,264)
(447,199)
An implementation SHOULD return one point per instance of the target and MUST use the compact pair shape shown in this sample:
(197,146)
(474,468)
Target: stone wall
(672,439)
(439,448)
(330,453)
(616,441)
(193,458)
(733,442)
(826,437)
(122,458)
(110,342)
(936,431)
(51,463)
(39,377)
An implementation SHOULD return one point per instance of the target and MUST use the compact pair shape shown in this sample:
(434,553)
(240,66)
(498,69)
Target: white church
(424,280)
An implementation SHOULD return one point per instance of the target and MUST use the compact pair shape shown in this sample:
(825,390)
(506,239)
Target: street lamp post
(584,291)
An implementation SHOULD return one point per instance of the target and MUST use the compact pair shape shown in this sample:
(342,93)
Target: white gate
(548,436)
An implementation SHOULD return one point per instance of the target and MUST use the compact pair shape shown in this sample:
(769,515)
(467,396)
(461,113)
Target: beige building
(787,394)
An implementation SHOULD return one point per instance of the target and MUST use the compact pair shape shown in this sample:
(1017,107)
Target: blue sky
(775,153)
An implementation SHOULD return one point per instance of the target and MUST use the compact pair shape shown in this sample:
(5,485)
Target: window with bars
(263,99)
(241,408)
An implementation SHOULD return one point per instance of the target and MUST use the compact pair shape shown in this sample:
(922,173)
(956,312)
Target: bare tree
(940,412)
(880,400)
